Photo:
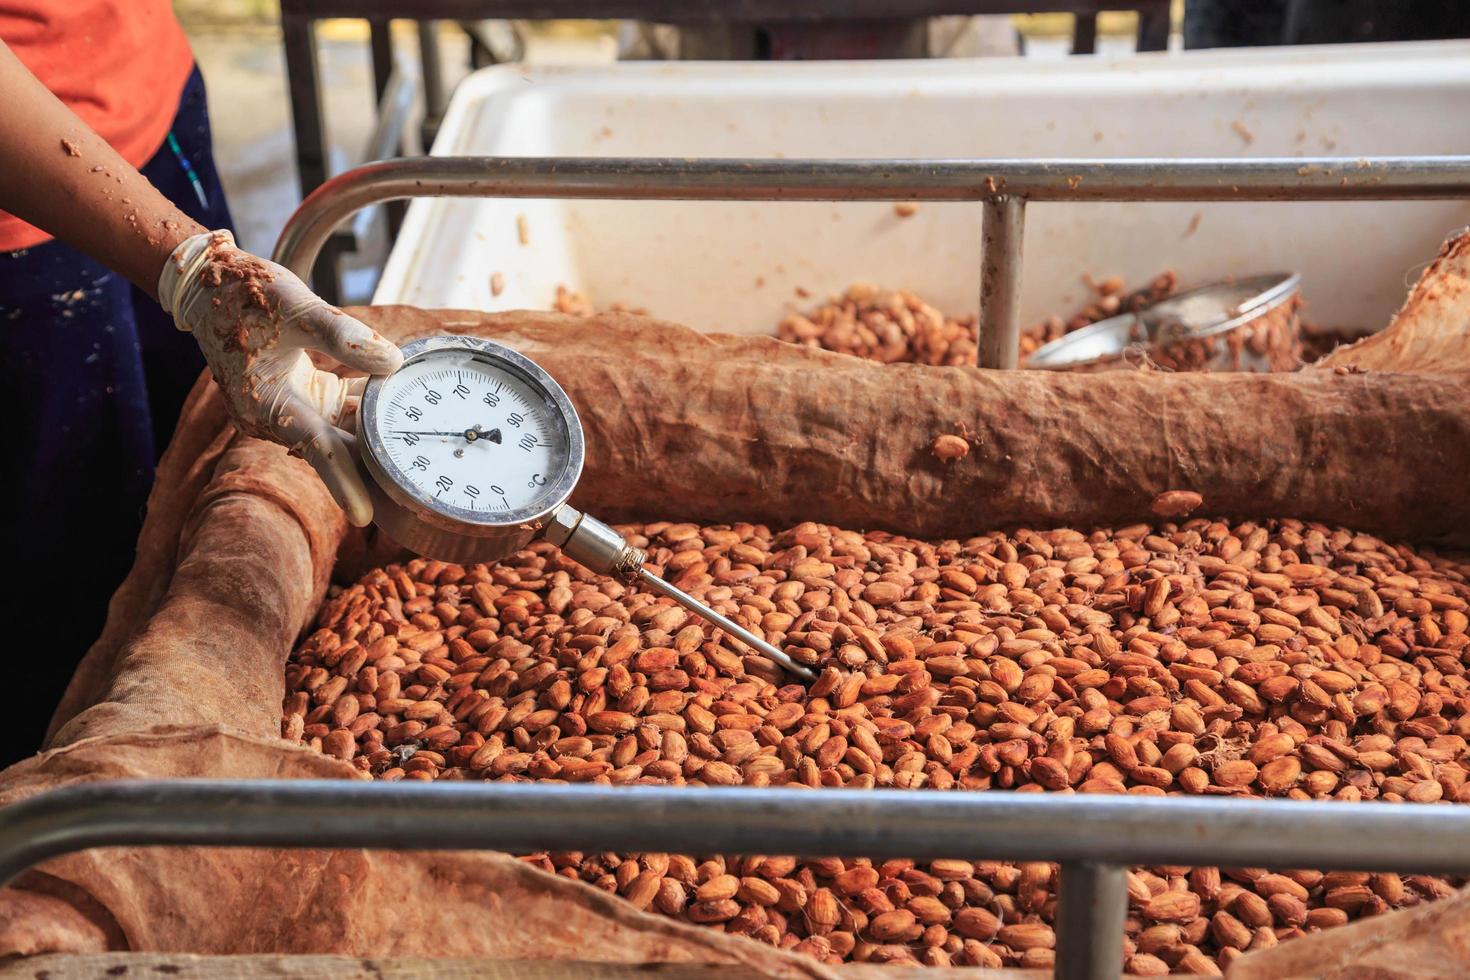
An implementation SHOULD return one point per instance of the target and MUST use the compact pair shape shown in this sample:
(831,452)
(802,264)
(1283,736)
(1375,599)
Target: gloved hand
(255,320)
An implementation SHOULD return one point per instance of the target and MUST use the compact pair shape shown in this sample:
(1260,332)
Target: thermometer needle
(739,632)
(469,435)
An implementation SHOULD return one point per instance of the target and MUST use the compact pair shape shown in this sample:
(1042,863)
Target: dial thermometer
(473,451)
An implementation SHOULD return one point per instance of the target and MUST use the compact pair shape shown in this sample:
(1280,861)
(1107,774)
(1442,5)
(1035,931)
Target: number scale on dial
(471,434)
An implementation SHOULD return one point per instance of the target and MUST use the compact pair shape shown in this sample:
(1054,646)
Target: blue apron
(92,378)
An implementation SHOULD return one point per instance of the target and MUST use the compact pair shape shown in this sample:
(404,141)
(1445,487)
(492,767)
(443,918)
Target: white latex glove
(255,320)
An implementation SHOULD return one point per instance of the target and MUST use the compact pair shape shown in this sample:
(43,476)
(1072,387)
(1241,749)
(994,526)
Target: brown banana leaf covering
(709,428)
(240,540)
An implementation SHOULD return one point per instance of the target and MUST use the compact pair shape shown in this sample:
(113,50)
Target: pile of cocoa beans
(887,325)
(894,326)
(1275,659)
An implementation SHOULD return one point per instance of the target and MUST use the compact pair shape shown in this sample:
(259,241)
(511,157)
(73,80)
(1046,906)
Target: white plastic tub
(737,266)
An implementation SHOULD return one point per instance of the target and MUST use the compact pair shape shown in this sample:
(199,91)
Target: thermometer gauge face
(472,444)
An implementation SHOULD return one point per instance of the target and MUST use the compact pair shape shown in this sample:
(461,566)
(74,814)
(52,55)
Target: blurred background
(239,47)
(299,95)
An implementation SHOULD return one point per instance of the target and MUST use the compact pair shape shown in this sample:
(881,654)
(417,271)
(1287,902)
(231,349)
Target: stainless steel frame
(1005,187)
(1094,837)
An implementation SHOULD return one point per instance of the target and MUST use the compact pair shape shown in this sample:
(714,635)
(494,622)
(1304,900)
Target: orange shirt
(120,65)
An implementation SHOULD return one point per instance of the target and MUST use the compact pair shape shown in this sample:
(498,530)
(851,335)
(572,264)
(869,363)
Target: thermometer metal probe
(436,497)
(591,543)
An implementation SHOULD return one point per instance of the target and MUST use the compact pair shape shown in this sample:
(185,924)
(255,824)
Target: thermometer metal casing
(448,385)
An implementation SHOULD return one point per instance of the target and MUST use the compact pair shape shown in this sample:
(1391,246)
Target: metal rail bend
(1125,830)
(662,179)
(1004,185)
(1092,836)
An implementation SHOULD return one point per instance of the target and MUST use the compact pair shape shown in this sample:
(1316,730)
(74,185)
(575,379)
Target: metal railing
(1093,837)
(720,22)
(1004,187)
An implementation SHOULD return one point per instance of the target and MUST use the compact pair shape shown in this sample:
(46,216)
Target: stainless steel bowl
(1243,325)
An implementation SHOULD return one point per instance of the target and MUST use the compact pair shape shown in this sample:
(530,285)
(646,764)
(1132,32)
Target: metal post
(1000,282)
(644,179)
(1091,906)
(298,33)
(383,78)
(1084,34)
(381,45)
(1153,27)
(433,74)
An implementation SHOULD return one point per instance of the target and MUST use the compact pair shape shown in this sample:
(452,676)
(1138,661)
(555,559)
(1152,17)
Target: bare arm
(60,176)
(253,320)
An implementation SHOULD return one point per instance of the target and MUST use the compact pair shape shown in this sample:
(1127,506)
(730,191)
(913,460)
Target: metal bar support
(433,77)
(380,33)
(299,40)
(1094,837)
(298,37)
(1092,903)
(1003,230)
(1153,27)
(1084,34)
(703,11)
(1083,829)
(643,179)
(1004,186)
